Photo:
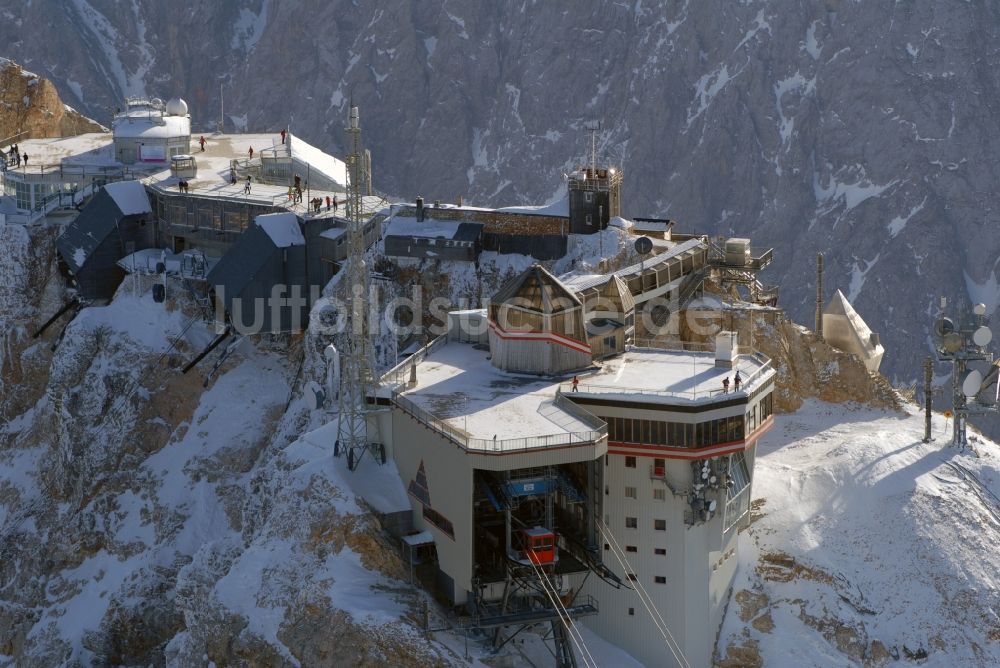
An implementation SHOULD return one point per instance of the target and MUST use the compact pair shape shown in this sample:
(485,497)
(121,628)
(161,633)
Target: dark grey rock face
(865,130)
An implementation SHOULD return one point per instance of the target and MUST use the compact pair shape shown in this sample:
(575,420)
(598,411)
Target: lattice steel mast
(357,380)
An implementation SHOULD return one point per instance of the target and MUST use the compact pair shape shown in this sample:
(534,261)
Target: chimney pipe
(420,209)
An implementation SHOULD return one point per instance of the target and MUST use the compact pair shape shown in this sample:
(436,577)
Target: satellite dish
(643,246)
(971,382)
(944,326)
(711,505)
(330,353)
(982,336)
(315,397)
(953,342)
(979,309)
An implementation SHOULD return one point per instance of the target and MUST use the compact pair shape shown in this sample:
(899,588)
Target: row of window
(675,434)
(681,434)
(760,412)
(632,493)
(659,551)
(633,523)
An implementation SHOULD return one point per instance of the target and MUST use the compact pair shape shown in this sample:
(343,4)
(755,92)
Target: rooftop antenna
(357,380)
(593,127)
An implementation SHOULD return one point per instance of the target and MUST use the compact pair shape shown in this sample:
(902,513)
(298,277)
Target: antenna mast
(357,380)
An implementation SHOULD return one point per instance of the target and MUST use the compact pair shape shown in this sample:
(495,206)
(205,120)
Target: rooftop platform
(72,159)
(672,376)
(93,149)
(489,409)
(463,396)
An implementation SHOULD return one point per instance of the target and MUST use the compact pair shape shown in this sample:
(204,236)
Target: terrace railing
(463,440)
(400,374)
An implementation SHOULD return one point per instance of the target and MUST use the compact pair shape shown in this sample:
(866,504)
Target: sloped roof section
(538,290)
(283,228)
(130,197)
(619,294)
(103,212)
(845,329)
(237,268)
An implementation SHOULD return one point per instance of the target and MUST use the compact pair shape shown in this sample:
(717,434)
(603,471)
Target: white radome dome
(177,107)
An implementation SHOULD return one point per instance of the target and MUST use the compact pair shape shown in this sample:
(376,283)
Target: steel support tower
(357,379)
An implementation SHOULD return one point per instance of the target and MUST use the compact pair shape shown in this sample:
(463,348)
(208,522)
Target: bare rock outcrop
(31,105)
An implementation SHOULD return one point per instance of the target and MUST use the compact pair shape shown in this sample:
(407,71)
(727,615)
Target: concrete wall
(450,483)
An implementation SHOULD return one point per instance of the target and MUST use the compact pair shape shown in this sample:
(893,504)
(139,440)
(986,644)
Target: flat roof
(457,384)
(92,148)
(672,375)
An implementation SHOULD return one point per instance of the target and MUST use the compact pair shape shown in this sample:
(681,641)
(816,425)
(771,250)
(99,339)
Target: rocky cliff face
(864,130)
(147,518)
(31,105)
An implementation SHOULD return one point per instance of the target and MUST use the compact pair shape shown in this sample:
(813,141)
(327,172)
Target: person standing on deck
(201,140)
(576,384)
(282,135)
(327,202)
(25,159)
(251,152)
(725,385)
(246,188)
(737,381)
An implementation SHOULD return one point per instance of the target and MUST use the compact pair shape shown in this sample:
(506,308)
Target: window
(660,551)
(659,495)
(607,547)
(630,462)
(632,577)
(631,548)
(660,580)
(660,525)
(631,612)
(589,197)
(631,523)
(630,493)
(590,219)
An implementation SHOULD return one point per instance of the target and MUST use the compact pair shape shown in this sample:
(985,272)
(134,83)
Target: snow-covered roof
(283,228)
(333,233)
(651,225)
(130,196)
(325,164)
(418,539)
(429,228)
(458,384)
(143,126)
(558,208)
(401,226)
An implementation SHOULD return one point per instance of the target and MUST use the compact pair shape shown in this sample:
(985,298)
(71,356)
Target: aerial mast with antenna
(357,380)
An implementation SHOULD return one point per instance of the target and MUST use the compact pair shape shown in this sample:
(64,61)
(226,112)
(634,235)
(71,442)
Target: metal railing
(463,440)
(690,395)
(400,373)
(677,345)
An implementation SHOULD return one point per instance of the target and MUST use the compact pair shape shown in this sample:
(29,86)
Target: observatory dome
(177,107)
